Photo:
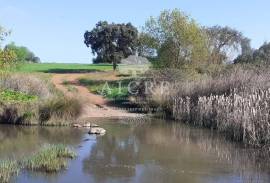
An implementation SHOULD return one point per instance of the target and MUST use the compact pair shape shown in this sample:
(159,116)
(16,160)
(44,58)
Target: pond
(138,151)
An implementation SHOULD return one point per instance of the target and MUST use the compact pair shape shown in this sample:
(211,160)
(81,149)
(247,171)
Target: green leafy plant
(14,96)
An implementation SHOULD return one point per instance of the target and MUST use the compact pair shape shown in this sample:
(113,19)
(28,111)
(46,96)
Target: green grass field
(64,68)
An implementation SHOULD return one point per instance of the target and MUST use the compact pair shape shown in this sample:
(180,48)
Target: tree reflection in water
(160,152)
(113,156)
(19,141)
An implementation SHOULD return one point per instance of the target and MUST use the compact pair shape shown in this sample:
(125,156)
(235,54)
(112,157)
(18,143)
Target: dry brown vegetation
(235,102)
(29,84)
(59,110)
(50,108)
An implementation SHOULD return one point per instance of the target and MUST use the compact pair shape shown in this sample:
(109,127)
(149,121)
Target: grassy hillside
(64,68)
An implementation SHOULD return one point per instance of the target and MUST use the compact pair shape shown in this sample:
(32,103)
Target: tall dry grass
(60,110)
(241,116)
(19,113)
(50,108)
(236,103)
(26,83)
(8,169)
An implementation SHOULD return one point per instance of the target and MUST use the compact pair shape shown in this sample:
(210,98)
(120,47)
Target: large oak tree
(112,42)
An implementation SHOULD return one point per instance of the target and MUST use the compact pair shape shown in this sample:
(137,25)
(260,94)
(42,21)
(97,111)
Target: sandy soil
(95,106)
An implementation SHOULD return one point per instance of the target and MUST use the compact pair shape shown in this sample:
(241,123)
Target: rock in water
(87,125)
(77,125)
(97,131)
(94,125)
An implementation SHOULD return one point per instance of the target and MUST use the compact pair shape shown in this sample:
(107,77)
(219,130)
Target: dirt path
(95,106)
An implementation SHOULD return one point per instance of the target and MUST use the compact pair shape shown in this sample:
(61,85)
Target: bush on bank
(30,100)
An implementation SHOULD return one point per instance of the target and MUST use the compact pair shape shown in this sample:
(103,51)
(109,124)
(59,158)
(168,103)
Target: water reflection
(19,141)
(153,151)
(160,152)
(113,156)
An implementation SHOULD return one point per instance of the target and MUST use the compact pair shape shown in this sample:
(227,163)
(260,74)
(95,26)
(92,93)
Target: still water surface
(153,151)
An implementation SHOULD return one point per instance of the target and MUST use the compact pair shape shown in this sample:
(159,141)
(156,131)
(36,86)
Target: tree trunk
(114,65)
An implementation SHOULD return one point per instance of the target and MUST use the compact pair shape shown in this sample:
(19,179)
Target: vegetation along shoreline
(171,68)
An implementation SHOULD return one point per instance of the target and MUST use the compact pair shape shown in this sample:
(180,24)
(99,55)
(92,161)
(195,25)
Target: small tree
(263,53)
(7,56)
(147,45)
(225,41)
(112,42)
(7,59)
(258,56)
(23,53)
(176,38)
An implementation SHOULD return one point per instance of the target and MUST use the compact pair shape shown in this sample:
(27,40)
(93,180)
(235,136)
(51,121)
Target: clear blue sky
(54,29)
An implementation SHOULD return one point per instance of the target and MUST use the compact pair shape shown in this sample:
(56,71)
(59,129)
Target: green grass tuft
(8,169)
(62,108)
(51,158)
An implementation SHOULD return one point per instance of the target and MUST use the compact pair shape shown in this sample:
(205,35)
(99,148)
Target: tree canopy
(224,42)
(258,56)
(23,53)
(112,42)
(7,57)
(177,39)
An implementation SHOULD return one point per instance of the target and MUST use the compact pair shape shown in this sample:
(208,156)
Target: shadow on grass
(62,71)
(111,83)
(127,105)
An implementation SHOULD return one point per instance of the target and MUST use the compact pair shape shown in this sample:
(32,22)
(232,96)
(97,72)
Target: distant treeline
(23,53)
(12,55)
(173,40)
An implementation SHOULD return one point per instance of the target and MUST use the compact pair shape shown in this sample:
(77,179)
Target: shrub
(29,100)
(61,108)
(18,113)
(28,84)
(7,59)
